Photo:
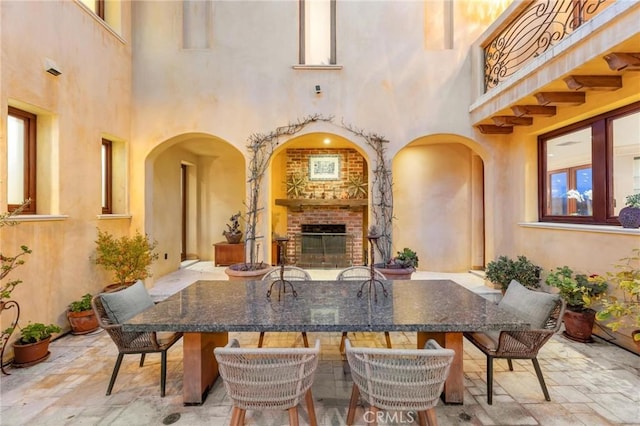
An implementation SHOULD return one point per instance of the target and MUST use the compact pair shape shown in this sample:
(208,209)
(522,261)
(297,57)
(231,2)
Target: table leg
(200,368)
(454,386)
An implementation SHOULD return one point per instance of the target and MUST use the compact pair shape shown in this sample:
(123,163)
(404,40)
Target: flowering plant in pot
(578,291)
(127,258)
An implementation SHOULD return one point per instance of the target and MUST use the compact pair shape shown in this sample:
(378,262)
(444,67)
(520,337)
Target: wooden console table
(226,254)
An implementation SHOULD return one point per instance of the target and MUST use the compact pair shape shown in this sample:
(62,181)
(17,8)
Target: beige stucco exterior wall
(88,101)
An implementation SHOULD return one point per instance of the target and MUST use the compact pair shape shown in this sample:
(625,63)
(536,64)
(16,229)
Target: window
(588,169)
(107,176)
(317,32)
(21,159)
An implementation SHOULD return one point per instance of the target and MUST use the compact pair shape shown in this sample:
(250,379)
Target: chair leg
(304,339)
(432,420)
(116,368)
(355,394)
(235,417)
(344,336)
(422,418)
(374,415)
(163,372)
(293,416)
(388,339)
(142,359)
(536,365)
(510,364)
(261,339)
(311,411)
(489,380)
(243,412)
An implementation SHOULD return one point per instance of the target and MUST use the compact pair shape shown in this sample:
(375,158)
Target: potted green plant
(33,345)
(127,258)
(233,234)
(504,269)
(629,216)
(401,266)
(577,290)
(623,310)
(81,316)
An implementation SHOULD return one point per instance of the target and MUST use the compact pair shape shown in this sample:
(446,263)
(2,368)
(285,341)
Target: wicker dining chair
(360,273)
(268,379)
(291,273)
(542,310)
(398,379)
(113,309)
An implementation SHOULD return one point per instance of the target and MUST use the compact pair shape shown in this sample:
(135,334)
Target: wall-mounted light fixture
(318,89)
(51,67)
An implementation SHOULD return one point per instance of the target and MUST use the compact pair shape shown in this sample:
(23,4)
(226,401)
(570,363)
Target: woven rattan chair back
(268,378)
(291,273)
(360,273)
(134,342)
(399,379)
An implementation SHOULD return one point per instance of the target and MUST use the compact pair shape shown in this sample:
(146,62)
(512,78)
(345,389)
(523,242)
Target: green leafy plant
(632,200)
(406,258)
(577,290)
(34,332)
(81,305)
(504,269)
(128,258)
(9,263)
(625,310)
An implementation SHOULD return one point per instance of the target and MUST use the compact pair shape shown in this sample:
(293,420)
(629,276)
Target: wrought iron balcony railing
(536,29)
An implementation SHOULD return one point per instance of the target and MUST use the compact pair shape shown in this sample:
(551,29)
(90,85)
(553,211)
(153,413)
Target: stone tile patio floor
(590,384)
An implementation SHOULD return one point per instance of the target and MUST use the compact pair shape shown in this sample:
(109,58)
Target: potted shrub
(504,269)
(233,234)
(81,316)
(127,258)
(577,290)
(629,215)
(400,267)
(33,345)
(623,311)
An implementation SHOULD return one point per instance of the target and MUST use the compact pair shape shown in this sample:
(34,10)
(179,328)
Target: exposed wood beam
(523,110)
(594,82)
(560,98)
(490,129)
(510,120)
(628,61)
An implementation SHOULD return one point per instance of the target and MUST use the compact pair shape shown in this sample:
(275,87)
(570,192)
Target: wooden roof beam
(594,82)
(628,61)
(510,120)
(560,98)
(527,110)
(490,129)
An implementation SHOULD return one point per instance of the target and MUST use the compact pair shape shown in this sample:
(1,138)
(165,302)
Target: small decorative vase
(629,217)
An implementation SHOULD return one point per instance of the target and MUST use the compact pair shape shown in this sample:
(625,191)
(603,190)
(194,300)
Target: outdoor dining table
(206,311)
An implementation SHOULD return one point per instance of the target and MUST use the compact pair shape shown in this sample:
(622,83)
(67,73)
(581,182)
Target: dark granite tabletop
(411,305)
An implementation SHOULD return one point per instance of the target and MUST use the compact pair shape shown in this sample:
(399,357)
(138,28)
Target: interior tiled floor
(590,384)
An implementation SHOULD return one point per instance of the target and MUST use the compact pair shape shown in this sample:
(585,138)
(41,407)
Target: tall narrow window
(107,176)
(318,32)
(21,159)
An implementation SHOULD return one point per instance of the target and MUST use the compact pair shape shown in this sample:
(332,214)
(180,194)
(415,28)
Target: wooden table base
(454,386)
(200,368)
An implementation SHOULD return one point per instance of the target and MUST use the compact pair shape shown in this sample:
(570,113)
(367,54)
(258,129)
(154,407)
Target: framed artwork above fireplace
(324,167)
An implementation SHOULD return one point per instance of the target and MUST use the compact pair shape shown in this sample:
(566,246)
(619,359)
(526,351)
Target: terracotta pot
(82,322)
(579,325)
(237,272)
(396,273)
(635,335)
(117,287)
(31,353)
